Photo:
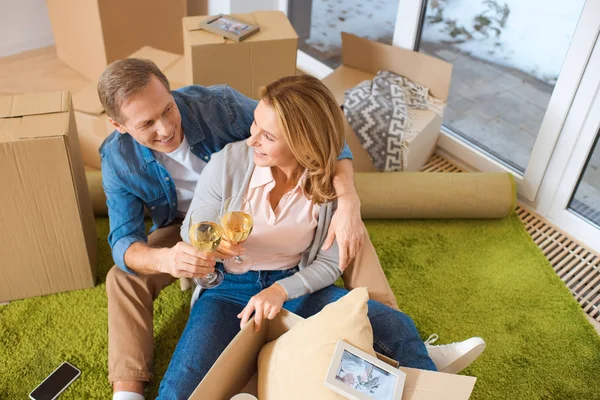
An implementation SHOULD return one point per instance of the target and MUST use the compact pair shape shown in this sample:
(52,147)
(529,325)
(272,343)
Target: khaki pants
(131,297)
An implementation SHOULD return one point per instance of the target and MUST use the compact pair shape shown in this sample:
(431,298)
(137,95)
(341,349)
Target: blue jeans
(213,323)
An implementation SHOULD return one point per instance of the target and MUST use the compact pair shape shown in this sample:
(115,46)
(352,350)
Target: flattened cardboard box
(92,123)
(235,370)
(47,228)
(264,57)
(91,34)
(361,60)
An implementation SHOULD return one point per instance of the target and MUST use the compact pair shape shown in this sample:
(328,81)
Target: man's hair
(124,78)
(313,127)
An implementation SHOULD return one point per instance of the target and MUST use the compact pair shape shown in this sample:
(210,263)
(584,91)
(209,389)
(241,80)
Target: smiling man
(163,140)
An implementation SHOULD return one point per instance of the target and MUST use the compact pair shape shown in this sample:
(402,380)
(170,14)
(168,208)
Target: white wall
(24,25)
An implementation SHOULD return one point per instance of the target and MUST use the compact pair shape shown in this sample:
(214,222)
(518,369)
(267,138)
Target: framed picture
(359,376)
(229,27)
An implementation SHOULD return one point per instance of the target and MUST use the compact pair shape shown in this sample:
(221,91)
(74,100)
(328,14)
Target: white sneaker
(127,396)
(453,358)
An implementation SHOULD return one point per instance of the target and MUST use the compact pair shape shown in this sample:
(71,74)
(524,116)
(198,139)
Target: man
(162,141)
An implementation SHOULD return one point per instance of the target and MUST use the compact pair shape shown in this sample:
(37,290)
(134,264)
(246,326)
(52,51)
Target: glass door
(570,194)
(516,68)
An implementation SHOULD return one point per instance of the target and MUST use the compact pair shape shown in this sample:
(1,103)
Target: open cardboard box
(92,123)
(235,371)
(361,60)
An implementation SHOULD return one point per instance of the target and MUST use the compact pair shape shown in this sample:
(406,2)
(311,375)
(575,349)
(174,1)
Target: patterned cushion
(378,112)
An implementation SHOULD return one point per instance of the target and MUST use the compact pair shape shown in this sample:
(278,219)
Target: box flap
(345,78)
(162,59)
(87,100)
(33,104)
(426,385)
(242,352)
(9,129)
(176,72)
(197,36)
(369,56)
(33,127)
(44,125)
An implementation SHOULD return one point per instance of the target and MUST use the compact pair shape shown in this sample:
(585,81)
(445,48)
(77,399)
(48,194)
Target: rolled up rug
(436,195)
(406,195)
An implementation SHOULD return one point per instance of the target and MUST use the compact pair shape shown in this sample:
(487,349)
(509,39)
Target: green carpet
(455,278)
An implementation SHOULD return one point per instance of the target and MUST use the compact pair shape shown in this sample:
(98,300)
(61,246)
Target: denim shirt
(132,178)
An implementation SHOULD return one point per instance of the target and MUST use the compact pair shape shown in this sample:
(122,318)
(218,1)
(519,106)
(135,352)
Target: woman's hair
(313,127)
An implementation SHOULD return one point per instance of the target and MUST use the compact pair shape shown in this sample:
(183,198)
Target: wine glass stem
(238,260)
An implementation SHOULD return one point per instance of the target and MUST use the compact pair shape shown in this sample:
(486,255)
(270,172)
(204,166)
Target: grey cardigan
(228,174)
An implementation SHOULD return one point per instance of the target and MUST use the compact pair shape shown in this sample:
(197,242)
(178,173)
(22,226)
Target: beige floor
(41,71)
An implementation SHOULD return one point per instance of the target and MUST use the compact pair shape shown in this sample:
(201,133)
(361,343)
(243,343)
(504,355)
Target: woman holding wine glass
(285,173)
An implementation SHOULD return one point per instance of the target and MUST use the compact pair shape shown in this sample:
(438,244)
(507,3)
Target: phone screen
(55,383)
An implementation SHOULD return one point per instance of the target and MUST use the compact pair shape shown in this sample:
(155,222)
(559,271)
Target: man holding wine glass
(153,160)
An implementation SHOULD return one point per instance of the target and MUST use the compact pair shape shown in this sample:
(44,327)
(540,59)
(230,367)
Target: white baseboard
(26,45)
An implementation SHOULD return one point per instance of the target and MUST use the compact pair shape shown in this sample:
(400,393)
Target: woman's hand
(226,249)
(266,304)
(347,227)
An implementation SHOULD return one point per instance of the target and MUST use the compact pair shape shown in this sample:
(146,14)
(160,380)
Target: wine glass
(205,235)
(237,223)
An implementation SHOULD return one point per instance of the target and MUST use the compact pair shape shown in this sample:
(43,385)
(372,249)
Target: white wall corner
(26,45)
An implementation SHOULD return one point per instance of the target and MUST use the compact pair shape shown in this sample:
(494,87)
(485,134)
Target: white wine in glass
(205,235)
(237,225)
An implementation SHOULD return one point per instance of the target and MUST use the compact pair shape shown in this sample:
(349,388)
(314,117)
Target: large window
(506,57)
(524,92)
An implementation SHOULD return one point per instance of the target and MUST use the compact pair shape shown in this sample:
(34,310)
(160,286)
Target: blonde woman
(285,169)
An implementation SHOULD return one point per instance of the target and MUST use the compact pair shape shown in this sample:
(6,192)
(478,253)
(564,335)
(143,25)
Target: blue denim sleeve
(346,154)
(241,111)
(126,217)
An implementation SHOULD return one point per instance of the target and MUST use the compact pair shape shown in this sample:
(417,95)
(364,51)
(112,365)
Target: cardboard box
(91,34)
(48,232)
(235,370)
(361,60)
(92,123)
(268,55)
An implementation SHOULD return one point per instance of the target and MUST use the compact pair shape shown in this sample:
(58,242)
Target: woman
(285,169)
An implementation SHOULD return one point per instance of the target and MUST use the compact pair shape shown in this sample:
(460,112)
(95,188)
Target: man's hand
(266,304)
(227,250)
(183,260)
(347,227)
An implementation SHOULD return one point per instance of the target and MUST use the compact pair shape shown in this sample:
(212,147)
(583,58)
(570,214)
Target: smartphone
(55,383)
